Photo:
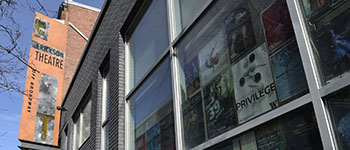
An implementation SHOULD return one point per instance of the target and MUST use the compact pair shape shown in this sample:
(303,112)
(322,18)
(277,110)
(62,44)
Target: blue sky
(11,103)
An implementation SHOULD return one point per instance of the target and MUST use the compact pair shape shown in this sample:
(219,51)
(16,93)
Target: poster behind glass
(219,106)
(245,142)
(277,24)
(193,121)
(295,130)
(213,57)
(192,76)
(288,71)
(239,31)
(329,26)
(339,106)
(255,90)
(44,123)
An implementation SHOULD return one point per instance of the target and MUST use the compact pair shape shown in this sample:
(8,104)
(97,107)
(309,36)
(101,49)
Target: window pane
(105,96)
(239,61)
(296,130)
(185,11)
(328,23)
(152,111)
(339,109)
(86,121)
(149,40)
(77,134)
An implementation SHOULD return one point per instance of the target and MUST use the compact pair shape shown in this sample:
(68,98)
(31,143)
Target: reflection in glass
(328,23)
(86,121)
(185,12)
(339,106)
(152,111)
(149,40)
(227,64)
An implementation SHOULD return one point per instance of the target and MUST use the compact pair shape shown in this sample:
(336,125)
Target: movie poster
(192,76)
(213,58)
(245,142)
(44,123)
(140,142)
(255,90)
(301,131)
(239,31)
(288,72)
(219,105)
(167,132)
(193,121)
(270,136)
(277,24)
(332,41)
(41,28)
(339,107)
(152,132)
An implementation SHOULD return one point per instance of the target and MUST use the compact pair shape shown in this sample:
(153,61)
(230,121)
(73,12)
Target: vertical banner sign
(46,109)
(40,119)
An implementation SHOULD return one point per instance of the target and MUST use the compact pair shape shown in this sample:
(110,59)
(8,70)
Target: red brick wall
(84,19)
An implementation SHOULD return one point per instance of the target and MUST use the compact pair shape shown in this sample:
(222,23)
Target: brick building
(56,47)
(173,74)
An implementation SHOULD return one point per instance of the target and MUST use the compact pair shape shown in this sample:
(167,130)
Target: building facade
(239,74)
(52,59)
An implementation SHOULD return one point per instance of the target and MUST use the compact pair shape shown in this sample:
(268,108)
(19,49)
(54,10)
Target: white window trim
(104,118)
(78,143)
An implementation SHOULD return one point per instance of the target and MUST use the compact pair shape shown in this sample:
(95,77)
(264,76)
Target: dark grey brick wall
(106,37)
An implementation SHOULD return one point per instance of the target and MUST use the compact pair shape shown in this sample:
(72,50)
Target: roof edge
(83,5)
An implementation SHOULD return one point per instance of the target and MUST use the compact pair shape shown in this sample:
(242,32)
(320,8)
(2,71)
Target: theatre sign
(43,89)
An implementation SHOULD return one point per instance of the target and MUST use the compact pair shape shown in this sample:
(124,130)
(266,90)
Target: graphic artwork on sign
(46,109)
(41,28)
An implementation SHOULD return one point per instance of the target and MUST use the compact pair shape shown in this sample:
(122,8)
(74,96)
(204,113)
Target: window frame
(315,95)
(78,118)
(105,99)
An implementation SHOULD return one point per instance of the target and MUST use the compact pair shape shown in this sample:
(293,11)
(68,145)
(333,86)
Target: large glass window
(82,125)
(296,130)
(238,61)
(185,11)
(149,40)
(328,23)
(152,111)
(339,109)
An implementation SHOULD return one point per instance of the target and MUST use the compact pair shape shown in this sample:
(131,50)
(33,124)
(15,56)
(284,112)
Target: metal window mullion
(175,81)
(177,102)
(311,73)
(335,86)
